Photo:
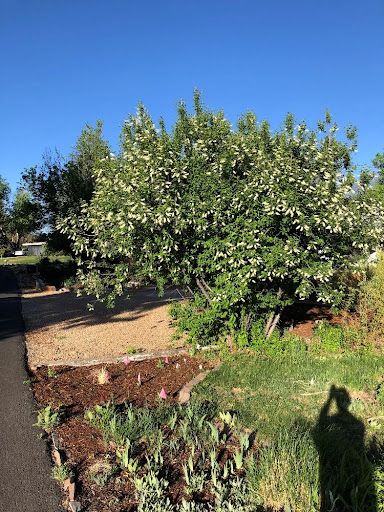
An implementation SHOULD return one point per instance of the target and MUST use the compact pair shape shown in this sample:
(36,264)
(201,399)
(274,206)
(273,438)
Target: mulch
(75,389)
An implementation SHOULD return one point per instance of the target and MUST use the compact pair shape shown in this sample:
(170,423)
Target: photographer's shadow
(345,474)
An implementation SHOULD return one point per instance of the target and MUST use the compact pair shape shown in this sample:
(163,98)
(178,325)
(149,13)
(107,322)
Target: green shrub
(61,473)
(275,344)
(331,337)
(101,472)
(56,272)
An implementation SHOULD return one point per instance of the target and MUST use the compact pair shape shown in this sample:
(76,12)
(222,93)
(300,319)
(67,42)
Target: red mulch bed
(302,318)
(74,389)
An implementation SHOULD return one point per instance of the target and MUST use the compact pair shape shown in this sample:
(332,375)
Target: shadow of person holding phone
(345,474)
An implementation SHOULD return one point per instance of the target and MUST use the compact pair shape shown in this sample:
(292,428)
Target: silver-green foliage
(144,457)
(48,419)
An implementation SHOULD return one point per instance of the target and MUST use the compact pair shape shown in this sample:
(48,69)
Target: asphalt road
(25,469)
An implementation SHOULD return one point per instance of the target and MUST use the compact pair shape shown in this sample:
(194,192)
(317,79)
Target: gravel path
(60,328)
(25,484)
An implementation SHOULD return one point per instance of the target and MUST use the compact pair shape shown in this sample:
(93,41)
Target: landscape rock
(55,441)
(49,288)
(56,457)
(185,392)
(71,490)
(74,506)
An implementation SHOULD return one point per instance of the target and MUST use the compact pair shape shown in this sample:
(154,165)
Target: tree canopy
(60,185)
(19,219)
(249,219)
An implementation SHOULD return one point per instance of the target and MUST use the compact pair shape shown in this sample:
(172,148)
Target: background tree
(60,186)
(4,197)
(378,162)
(23,219)
(249,219)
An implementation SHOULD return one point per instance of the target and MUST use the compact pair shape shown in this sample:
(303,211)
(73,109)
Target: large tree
(4,197)
(60,185)
(249,219)
(23,220)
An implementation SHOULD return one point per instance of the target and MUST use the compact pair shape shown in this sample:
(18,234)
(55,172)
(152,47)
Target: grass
(269,394)
(319,423)
(31,260)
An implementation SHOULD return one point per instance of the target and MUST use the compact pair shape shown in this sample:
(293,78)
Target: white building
(34,248)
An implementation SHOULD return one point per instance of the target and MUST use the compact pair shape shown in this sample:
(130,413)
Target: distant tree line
(49,192)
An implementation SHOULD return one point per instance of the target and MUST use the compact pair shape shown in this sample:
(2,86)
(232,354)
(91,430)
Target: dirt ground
(60,328)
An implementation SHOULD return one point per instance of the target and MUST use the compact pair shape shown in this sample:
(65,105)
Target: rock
(185,392)
(49,288)
(55,441)
(39,284)
(56,457)
(74,506)
(71,490)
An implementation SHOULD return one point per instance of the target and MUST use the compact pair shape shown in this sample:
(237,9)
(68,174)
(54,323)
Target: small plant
(238,459)
(160,363)
(380,393)
(244,442)
(47,419)
(61,473)
(331,337)
(103,376)
(52,374)
(101,472)
(123,456)
(228,419)
(131,350)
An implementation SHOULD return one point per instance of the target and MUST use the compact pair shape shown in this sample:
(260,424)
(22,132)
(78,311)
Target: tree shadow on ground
(42,311)
(345,471)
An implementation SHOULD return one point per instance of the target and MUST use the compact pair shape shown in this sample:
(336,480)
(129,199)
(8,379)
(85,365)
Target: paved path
(25,481)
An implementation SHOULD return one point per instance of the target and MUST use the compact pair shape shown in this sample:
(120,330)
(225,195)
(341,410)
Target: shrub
(248,219)
(275,344)
(61,473)
(101,472)
(56,272)
(331,337)
(48,419)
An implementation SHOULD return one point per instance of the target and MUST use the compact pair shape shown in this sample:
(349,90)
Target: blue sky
(68,62)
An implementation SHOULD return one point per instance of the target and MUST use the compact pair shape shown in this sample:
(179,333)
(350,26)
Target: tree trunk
(203,290)
(274,323)
(273,317)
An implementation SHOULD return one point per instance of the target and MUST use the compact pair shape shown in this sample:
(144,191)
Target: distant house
(34,248)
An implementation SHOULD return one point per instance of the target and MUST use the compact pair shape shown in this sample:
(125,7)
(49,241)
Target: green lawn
(270,394)
(31,260)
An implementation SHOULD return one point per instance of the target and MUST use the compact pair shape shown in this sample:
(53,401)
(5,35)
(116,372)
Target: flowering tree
(250,220)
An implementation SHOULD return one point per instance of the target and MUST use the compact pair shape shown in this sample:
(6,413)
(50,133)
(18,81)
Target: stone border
(141,356)
(69,484)
(185,392)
